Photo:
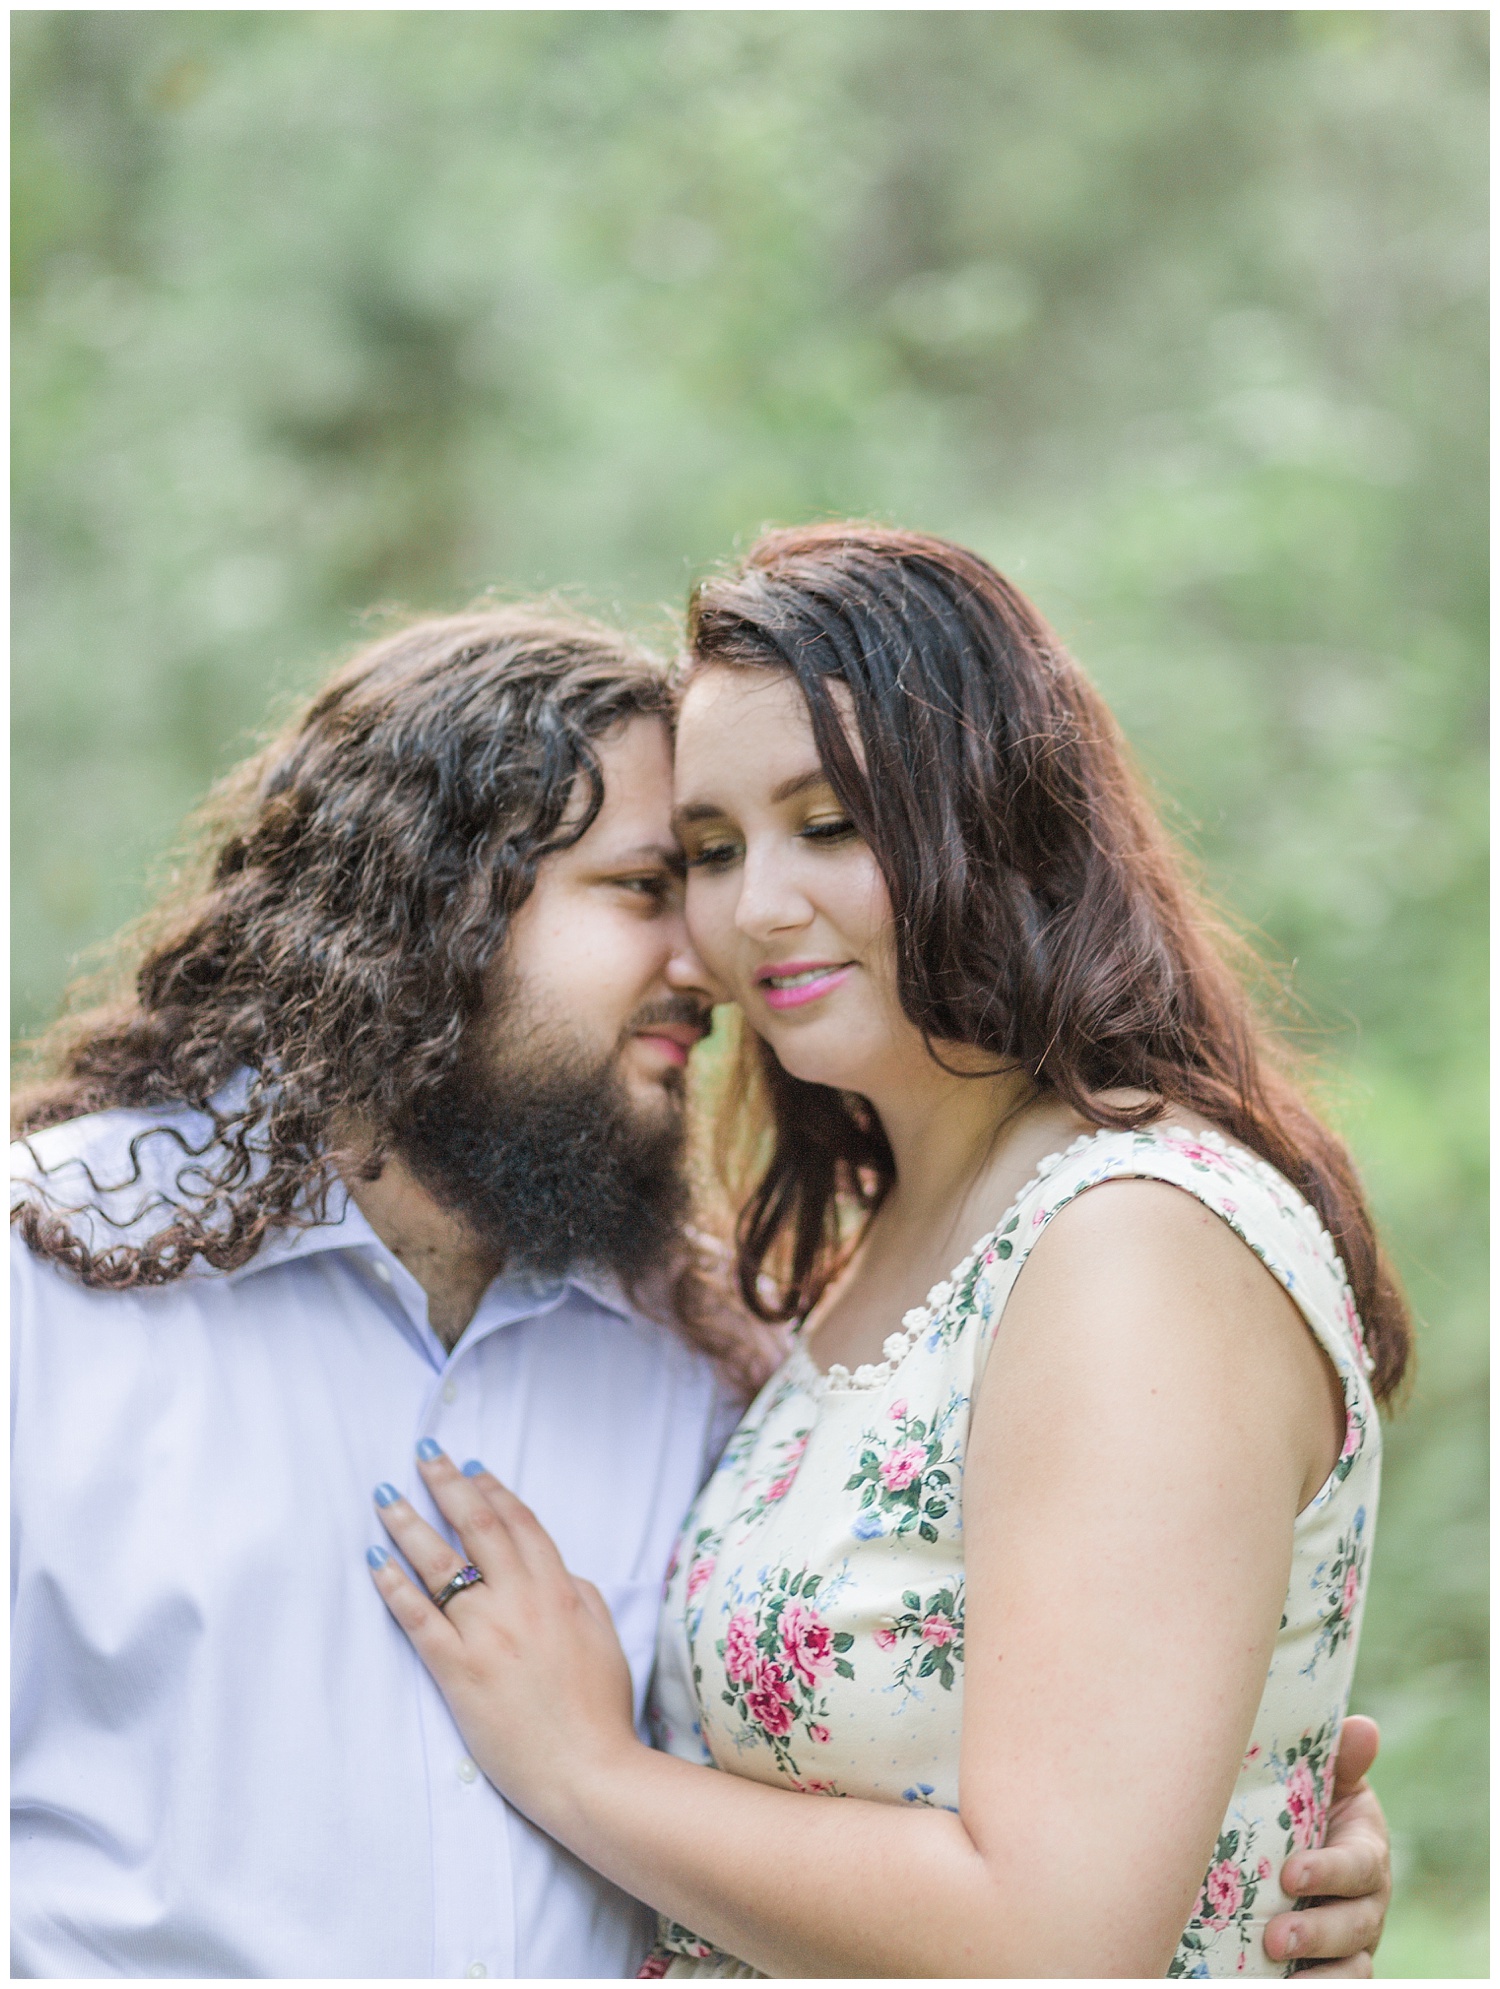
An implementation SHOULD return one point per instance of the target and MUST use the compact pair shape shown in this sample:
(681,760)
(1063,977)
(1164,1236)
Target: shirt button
(383,1272)
(450,1391)
(466,1773)
(476,1969)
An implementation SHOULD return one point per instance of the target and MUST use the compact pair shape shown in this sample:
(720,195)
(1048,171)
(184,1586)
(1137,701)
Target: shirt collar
(344,1227)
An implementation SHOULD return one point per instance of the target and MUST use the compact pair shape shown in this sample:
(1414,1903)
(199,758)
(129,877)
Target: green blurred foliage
(1178,317)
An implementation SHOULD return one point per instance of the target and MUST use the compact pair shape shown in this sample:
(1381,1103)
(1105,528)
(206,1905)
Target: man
(383,1146)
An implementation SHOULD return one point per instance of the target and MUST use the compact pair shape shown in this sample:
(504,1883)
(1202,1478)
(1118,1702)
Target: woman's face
(785,904)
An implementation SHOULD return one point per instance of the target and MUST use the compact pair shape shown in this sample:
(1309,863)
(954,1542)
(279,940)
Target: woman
(1046,1547)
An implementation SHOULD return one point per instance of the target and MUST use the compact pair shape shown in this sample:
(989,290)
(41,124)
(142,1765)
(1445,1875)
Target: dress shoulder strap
(1260,1205)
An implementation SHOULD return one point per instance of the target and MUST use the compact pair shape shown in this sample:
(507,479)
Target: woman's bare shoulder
(1051,1126)
(1139,1273)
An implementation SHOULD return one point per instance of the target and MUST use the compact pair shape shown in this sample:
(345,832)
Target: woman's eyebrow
(799,784)
(710,811)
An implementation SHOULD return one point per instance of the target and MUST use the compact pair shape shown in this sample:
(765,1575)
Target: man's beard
(546,1158)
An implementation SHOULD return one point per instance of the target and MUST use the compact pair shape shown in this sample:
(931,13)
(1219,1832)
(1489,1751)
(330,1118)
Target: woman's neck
(944,1130)
(962,1147)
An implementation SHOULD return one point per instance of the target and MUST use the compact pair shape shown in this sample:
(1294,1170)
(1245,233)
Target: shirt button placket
(452,1410)
(471,1855)
(471,1863)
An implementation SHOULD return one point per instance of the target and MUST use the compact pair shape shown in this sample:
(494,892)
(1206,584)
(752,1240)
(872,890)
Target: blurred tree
(1177,316)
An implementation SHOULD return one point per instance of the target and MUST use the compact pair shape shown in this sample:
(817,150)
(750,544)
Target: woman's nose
(769,902)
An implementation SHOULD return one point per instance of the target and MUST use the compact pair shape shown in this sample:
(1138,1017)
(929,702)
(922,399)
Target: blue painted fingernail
(427,1450)
(376,1556)
(473,1468)
(386,1495)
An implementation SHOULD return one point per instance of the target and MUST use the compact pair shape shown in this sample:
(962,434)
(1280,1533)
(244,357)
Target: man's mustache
(680,1009)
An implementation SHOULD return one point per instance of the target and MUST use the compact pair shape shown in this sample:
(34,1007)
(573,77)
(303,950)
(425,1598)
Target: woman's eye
(713,856)
(828,829)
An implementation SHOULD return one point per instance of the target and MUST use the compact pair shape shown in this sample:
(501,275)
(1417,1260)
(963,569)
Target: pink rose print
(740,1654)
(897,1410)
(807,1641)
(789,1465)
(886,1639)
(1190,1150)
(819,1732)
(1223,1890)
(698,1575)
(1302,1805)
(1263,1870)
(1351,1589)
(898,1470)
(769,1699)
(933,1632)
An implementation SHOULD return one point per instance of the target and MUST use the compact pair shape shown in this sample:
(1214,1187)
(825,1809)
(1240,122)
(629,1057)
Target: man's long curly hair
(322,956)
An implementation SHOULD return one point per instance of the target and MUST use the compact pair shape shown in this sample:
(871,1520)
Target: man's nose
(686,973)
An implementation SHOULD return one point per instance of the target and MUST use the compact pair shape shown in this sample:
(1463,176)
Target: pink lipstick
(791,983)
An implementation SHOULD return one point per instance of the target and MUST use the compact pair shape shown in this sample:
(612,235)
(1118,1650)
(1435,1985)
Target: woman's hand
(528,1659)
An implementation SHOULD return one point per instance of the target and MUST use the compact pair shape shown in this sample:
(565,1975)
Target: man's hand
(1350,1877)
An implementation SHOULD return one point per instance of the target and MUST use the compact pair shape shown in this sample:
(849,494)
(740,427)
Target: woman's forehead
(744,739)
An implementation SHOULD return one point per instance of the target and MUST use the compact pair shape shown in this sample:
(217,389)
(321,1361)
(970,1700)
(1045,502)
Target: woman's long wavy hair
(327,948)
(1041,914)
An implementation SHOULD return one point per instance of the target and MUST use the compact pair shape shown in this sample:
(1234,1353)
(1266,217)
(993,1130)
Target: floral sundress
(812,1633)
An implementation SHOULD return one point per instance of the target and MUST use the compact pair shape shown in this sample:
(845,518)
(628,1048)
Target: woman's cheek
(709,911)
(864,908)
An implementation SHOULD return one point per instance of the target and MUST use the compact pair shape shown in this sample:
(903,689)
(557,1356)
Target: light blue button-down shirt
(227,1759)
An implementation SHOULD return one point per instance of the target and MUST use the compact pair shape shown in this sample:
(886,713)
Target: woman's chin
(820,1054)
